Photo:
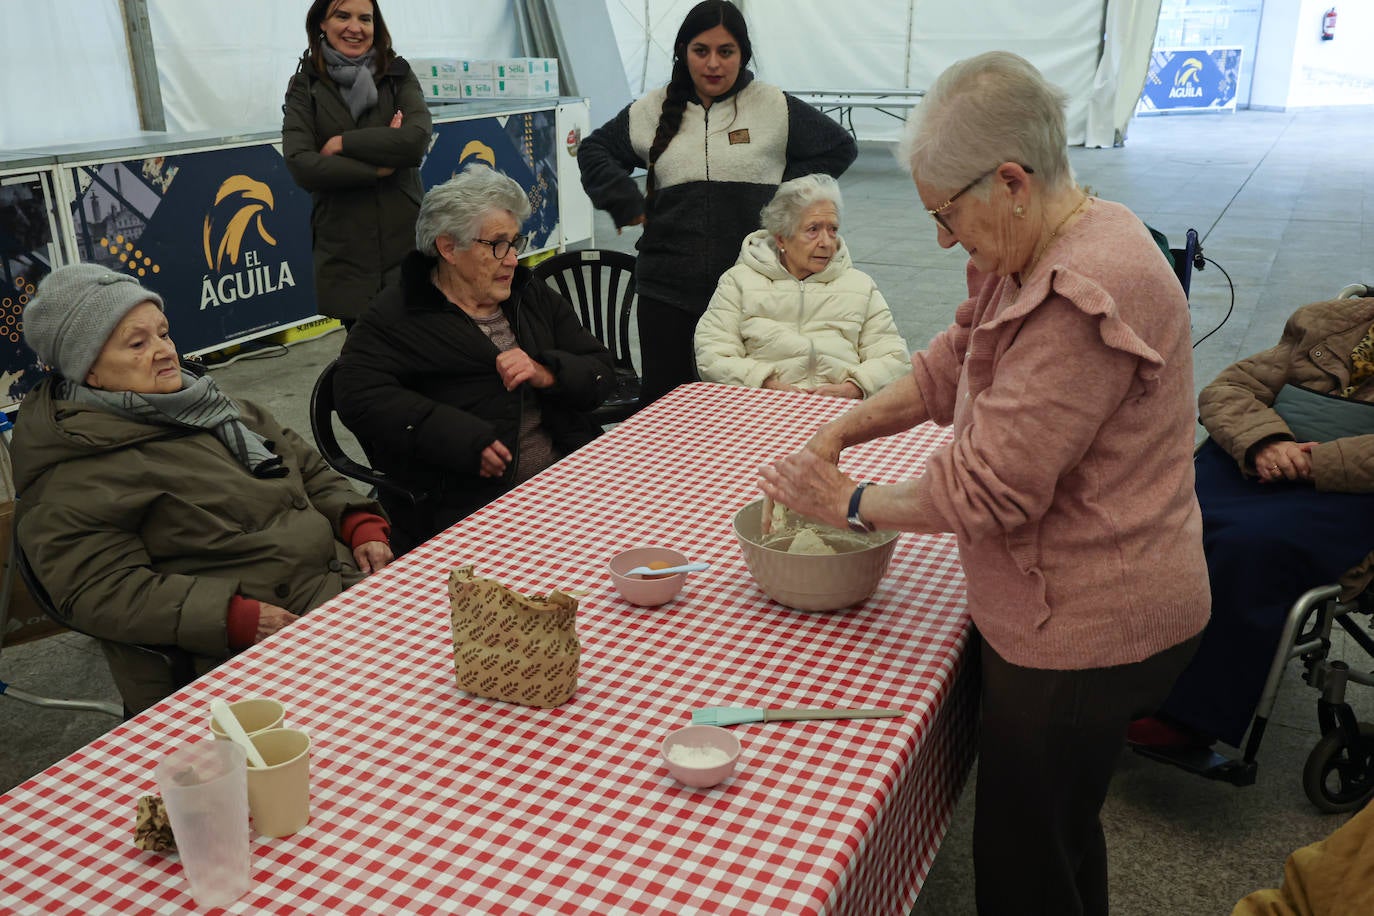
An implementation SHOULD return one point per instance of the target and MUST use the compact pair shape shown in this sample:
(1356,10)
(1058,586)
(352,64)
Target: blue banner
(1191,79)
(521,145)
(26,241)
(223,236)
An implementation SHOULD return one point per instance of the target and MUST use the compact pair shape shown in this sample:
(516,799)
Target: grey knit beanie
(74,312)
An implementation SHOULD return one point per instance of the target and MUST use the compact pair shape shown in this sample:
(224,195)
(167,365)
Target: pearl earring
(1020,212)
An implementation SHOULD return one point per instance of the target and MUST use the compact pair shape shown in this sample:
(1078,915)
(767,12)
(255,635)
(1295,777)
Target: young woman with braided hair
(716,144)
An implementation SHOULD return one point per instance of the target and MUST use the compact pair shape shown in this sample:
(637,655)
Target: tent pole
(910,34)
(143,64)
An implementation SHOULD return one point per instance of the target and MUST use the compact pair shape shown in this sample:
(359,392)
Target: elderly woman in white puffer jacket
(793,313)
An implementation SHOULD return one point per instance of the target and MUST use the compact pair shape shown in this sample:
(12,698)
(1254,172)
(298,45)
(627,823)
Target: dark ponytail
(701,18)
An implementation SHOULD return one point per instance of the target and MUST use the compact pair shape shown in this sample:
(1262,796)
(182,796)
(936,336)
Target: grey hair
(783,214)
(458,207)
(982,112)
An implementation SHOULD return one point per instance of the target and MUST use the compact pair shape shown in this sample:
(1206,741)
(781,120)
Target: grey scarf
(198,405)
(354,78)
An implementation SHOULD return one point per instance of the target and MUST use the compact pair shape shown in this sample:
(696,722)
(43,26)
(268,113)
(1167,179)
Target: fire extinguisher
(1329,24)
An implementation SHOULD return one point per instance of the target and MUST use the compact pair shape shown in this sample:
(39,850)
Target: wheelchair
(1338,775)
(1339,772)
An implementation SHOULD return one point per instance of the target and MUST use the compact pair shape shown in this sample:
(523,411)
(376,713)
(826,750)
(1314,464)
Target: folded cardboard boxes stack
(454,79)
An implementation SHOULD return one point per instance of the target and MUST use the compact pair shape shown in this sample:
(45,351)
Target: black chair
(322,413)
(177,661)
(600,285)
(1186,260)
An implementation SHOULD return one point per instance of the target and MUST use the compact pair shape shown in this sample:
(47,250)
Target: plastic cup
(279,795)
(255,715)
(204,786)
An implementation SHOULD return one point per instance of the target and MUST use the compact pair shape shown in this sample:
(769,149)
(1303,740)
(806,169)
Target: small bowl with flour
(701,756)
(809,566)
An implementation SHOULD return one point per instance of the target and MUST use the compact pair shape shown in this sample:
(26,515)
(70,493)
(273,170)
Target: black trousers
(667,357)
(1049,745)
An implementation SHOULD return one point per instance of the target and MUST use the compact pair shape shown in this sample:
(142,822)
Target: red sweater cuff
(243,621)
(360,526)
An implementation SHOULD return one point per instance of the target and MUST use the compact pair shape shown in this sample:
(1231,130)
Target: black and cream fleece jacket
(724,164)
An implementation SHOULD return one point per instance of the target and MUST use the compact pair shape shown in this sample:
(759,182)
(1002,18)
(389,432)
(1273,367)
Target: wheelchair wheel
(1339,774)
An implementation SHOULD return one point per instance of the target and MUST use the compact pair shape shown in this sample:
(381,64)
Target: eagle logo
(477,151)
(247,198)
(1188,73)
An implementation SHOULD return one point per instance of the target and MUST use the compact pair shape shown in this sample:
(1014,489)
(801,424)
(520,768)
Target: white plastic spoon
(220,711)
(668,570)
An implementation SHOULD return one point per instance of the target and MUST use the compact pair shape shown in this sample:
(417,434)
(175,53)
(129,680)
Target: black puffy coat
(417,384)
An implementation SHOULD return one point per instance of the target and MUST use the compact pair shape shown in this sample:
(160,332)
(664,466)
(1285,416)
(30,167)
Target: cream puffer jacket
(832,327)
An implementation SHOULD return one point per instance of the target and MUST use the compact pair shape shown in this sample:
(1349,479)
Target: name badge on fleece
(739,136)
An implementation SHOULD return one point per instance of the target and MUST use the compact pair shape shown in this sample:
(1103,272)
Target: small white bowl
(701,736)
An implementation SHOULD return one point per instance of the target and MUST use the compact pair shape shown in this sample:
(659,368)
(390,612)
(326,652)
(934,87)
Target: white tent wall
(1128,37)
(65,74)
(644,32)
(231,79)
(228,73)
(886,44)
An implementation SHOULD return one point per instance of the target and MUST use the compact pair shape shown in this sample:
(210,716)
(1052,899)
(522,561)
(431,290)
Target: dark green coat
(142,533)
(362,224)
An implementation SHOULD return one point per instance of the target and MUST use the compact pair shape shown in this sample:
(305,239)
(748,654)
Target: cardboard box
(526,88)
(512,68)
(447,69)
(517,67)
(479,88)
(477,69)
(442,90)
(544,66)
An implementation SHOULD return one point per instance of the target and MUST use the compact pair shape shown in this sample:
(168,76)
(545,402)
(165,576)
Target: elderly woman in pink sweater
(1067,378)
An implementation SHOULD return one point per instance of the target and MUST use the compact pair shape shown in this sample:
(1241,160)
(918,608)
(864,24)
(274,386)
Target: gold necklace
(1087,199)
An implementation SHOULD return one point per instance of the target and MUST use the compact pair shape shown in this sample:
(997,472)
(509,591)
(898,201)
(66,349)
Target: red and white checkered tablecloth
(426,799)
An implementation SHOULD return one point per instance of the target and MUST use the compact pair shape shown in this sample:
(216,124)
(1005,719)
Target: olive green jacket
(362,224)
(142,533)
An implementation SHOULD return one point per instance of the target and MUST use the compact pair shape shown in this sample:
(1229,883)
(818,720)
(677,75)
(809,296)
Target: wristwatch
(856,521)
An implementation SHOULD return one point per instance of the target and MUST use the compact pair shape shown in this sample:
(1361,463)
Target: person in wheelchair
(1286,486)
(157,511)
(794,313)
(468,377)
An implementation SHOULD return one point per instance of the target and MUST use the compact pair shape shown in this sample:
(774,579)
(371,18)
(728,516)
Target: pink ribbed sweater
(1069,483)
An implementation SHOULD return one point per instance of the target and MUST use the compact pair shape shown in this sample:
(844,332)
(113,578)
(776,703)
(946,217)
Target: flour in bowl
(688,756)
(794,534)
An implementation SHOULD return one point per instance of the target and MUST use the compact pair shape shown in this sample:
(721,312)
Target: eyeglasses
(500,247)
(935,214)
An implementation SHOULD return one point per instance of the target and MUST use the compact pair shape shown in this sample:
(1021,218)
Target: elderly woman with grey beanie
(154,509)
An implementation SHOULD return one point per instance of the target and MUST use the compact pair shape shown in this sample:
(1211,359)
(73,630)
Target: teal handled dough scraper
(734,715)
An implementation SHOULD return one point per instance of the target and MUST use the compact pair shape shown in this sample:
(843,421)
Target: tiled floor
(1284,202)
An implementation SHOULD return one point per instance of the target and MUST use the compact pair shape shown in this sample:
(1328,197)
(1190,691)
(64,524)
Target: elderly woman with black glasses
(1067,379)
(469,376)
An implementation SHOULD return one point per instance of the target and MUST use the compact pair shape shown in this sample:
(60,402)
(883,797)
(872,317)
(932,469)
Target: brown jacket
(1314,353)
(362,224)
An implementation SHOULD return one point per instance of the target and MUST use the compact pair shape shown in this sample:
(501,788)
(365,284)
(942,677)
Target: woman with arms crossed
(354,132)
